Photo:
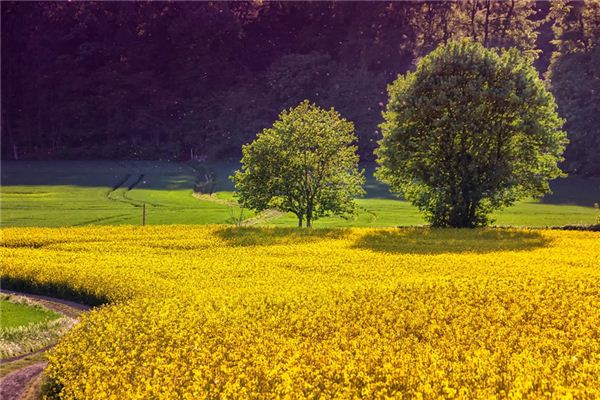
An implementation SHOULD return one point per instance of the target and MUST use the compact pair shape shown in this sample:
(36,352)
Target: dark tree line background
(176,80)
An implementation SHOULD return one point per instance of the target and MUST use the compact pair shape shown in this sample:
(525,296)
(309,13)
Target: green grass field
(73,193)
(13,315)
(26,326)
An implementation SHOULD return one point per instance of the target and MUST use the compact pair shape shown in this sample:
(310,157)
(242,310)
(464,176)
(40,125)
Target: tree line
(177,80)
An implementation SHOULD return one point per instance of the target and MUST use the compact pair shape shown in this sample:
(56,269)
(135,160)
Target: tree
(498,23)
(163,80)
(575,81)
(470,131)
(305,164)
(574,77)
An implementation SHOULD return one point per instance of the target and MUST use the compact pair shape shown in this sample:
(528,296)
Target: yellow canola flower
(263,313)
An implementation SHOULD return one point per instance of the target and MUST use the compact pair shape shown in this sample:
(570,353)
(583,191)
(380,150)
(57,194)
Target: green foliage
(500,24)
(576,25)
(305,164)
(27,326)
(470,131)
(296,76)
(574,77)
(575,81)
(104,86)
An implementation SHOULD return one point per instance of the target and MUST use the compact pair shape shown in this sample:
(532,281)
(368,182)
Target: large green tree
(470,131)
(305,164)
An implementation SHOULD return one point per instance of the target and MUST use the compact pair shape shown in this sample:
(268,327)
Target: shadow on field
(574,190)
(439,241)
(60,290)
(267,236)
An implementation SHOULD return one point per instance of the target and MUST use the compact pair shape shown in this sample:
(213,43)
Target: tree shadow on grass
(440,241)
(268,236)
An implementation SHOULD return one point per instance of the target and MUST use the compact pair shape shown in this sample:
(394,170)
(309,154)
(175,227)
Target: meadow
(26,326)
(19,314)
(228,312)
(76,193)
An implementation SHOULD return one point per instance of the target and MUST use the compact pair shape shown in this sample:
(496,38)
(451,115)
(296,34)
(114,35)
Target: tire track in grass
(138,203)
(104,219)
(123,185)
(118,193)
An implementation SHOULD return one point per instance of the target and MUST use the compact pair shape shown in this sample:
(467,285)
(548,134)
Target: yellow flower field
(223,313)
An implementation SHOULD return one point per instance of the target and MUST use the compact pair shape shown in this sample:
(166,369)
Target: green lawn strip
(13,315)
(537,214)
(387,213)
(166,189)
(74,193)
(26,326)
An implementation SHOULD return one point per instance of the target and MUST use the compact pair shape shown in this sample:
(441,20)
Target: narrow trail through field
(13,385)
(119,191)
(26,369)
(262,217)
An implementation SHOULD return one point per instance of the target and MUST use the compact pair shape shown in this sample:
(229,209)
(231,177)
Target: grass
(26,326)
(74,193)
(18,314)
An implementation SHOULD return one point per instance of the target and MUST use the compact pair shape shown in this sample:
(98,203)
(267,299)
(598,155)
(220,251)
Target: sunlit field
(222,312)
(77,193)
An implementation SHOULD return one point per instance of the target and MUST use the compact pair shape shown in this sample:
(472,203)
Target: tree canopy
(574,78)
(470,131)
(305,164)
(176,80)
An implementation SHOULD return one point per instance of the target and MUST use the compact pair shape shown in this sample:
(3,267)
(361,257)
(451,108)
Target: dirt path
(262,217)
(28,367)
(14,384)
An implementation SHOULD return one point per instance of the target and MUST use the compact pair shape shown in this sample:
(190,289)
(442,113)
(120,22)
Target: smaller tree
(305,164)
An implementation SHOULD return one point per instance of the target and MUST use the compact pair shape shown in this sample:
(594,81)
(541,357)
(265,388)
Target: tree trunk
(299,221)
(507,20)
(582,31)
(486,29)
(445,24)
(473,13)
(430,17)
(6,128)
(8,131)
(309,210)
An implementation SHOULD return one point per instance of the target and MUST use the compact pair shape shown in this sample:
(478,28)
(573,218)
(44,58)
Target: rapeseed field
(215,312)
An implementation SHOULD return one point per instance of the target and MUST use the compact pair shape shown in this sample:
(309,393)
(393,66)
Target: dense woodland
(181,80)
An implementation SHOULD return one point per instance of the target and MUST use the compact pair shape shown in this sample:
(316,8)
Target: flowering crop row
(216,312)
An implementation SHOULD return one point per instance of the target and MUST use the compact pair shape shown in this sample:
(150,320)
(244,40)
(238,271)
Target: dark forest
(180,81)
